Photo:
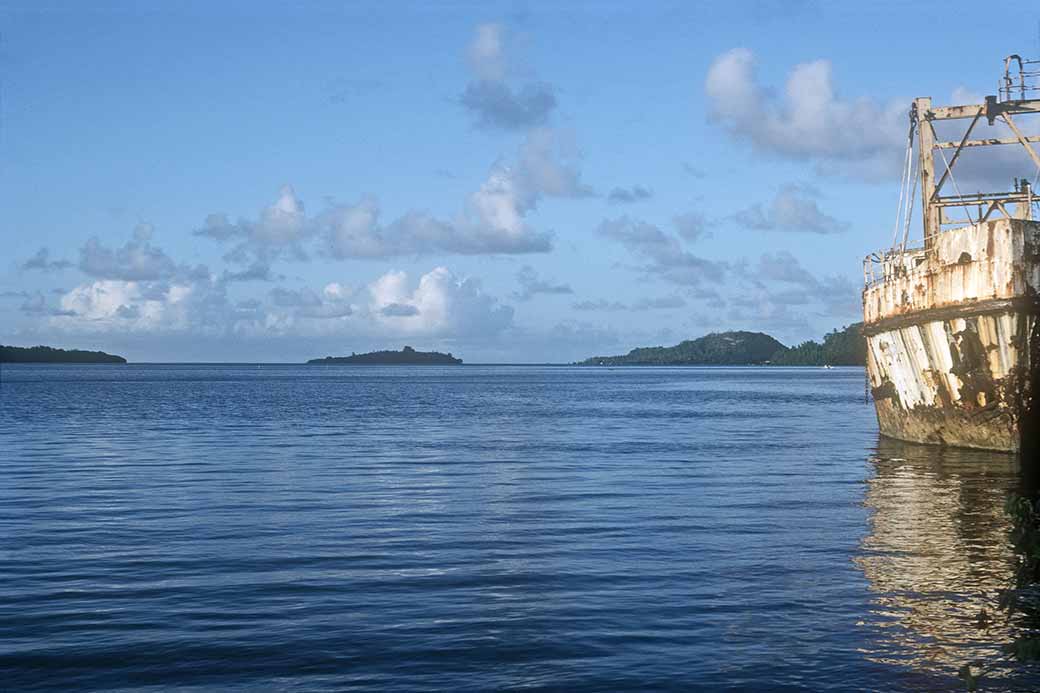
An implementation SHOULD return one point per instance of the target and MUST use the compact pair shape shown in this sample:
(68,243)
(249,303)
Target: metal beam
(969,111)
(949,167)
(1021,138)
(986,142)
(954,112)
(973,200)
(926,168)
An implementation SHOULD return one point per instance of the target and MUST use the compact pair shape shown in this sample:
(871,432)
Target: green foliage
(716,349)
(845,347)
(44,354)
(407,356)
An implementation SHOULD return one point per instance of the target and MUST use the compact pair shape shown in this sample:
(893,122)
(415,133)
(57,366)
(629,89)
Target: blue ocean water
(486,528)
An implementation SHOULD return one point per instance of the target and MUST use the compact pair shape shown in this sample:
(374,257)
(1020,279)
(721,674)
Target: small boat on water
(953,342)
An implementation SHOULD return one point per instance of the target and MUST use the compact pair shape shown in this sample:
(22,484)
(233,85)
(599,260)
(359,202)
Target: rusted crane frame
(934,216)
(969,111)
(949,167)
(986,142)
(1021,138)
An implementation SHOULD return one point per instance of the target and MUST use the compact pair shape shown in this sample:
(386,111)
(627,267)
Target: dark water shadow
(938,555)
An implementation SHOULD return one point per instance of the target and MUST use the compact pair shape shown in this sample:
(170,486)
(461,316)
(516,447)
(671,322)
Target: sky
(511,182)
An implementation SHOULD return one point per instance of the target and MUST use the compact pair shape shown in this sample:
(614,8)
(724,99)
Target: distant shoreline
(254,364)
(50,355)
(405,357)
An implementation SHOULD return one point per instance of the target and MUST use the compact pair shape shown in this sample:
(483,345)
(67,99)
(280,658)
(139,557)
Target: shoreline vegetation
(405,357)
(845,347)
(45,354)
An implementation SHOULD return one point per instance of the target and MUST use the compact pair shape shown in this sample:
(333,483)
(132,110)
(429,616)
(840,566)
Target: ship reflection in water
(937,556)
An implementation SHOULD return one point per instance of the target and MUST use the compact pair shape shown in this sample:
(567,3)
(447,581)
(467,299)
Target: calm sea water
(479,528)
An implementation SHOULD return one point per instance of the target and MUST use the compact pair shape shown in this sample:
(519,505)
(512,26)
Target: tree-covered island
(45,354)
(406,357)
(845,347)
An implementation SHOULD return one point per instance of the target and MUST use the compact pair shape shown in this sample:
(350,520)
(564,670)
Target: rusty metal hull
(952,338)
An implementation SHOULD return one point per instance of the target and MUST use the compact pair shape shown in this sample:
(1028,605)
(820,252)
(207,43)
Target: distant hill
(716,349)
(405,357)
(845,347)
(44,354)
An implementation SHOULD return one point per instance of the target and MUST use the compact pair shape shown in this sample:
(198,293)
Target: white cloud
(113,305)
(622,196)
(486,54)
(668,259)
(137,260)
(532,285)
(497,105)
(792,209)
(809,120)
(280,231)
(41,260)
(442,304)
(692,226)
(493,220)
(779,280)
(490,98)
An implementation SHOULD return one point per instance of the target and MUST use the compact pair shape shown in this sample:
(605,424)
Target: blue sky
(512,182)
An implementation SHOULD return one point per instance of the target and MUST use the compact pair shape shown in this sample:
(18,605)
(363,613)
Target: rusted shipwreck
(953,340)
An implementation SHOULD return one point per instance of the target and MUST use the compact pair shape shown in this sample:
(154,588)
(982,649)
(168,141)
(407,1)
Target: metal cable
(953,178)
(902,191)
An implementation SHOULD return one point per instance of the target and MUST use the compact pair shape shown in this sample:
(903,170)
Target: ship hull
(952,339)
(961,380)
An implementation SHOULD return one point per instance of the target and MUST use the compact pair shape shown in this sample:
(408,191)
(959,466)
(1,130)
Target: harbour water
(479,528)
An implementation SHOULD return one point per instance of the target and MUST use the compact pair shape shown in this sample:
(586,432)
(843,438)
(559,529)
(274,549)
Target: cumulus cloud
(809,120)
(493,224)
(441,304)
(667,258)
(782,266)
(42,261)
(497,105)
(399,310)
(257,272)
(334,301)
(532,285)
(490,98)
(780,279)
(280,231)
(792,209)
(492,220)
(692,226)
(153,307)
(487,52)
(36,304)
(636,193)
(137,260)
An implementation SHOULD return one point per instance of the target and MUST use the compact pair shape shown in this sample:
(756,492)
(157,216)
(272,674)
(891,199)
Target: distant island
(405,357)
(45,354)
(844,347)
